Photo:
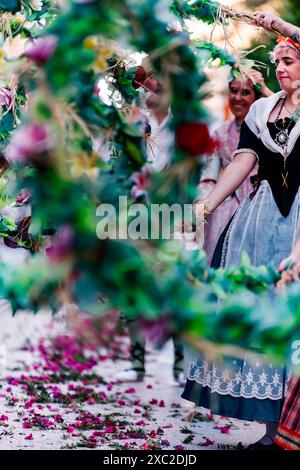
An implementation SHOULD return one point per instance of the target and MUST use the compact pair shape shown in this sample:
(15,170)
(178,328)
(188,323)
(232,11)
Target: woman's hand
(290,270)
(269,21)
(257,78)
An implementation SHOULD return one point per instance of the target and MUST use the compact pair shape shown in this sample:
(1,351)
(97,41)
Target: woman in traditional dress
(265,226)
(241,95)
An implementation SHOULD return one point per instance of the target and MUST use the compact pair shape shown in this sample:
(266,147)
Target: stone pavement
(101,414)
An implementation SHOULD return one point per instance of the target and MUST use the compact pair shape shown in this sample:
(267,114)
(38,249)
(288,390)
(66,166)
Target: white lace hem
(240,394)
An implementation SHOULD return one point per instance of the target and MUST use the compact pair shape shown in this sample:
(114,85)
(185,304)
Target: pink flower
(207,443)
(165,443)
(103,395)
(110,430)
(146,446)
(121,402)
(130,390)
(223,429)
(22,199)
(149,386)
(29,437)
(27,425)
(3,418)
(142,181)
(153,401)
(5,97)
(136,402)
(161,404)
(141,423)
(29,141)
(60,249)
(39,50)
(29,403)
(70,429)
(14,382)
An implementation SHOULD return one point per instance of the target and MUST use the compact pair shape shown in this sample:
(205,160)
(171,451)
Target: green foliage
(204,10)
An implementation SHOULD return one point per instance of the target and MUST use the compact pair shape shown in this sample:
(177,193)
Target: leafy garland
(61,169)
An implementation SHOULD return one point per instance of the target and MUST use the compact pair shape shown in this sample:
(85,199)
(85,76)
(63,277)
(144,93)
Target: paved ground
(44,406)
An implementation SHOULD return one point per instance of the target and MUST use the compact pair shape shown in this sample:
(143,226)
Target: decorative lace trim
(234,384)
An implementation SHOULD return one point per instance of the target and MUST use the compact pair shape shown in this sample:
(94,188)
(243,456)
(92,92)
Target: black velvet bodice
(284,181)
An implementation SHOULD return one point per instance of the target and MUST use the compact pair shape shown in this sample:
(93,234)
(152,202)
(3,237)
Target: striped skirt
(288,434)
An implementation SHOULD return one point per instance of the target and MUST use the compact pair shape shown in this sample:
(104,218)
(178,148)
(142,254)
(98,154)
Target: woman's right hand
(269,21)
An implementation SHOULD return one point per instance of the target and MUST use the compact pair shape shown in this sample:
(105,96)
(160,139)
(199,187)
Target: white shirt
(160,144)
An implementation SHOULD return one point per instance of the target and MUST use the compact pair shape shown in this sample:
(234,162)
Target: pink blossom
(39,50)
(146,446)
(121,402)
(103,395)
(29,403)
(3,418)
(153,401)
(110,430)
(60,248)
(22,199)
(14,382)
(161,404)
(141,423)
(5,97)
(130,390)
(165,443)
(149,386)
(27,425)
(223,429)
(29,141)
(29,437)
(207,443)
(58,418)
(142,181)
(136,402)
